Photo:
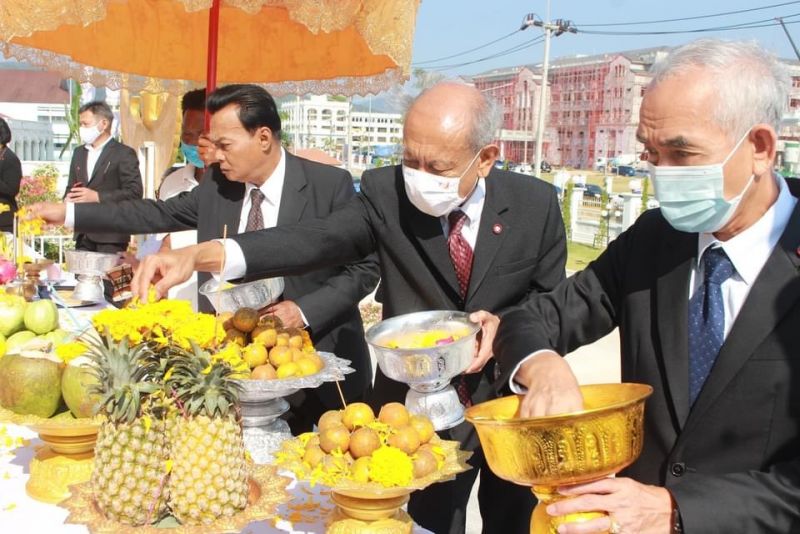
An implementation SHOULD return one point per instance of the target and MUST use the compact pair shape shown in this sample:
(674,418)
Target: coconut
(76,384)
(12,312)
(19,341)
(30,383)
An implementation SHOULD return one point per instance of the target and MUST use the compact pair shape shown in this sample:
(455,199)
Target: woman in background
(10,176)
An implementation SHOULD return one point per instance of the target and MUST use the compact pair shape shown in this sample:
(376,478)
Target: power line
(506,52)
(765,23)
(681,19)
(437,60)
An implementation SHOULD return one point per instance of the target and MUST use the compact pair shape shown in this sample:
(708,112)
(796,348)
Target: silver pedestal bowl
(427,371)
(89,269)
(262,403)
(254,295)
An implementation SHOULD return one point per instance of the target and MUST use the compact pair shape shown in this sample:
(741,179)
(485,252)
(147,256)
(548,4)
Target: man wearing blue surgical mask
(706,295)
(452,233)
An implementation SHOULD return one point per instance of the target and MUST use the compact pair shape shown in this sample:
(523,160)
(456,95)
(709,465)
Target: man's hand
(168,269)
(288,312)
(51,212)
(483,352)
(206,150)
(165,270)
(634,508)
(552,386)
(80,194)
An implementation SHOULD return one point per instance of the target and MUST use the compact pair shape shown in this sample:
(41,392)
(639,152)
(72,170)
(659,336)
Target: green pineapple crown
(200,385)
(127,377)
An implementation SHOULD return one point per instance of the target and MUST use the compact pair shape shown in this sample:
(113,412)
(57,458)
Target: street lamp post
(558,26)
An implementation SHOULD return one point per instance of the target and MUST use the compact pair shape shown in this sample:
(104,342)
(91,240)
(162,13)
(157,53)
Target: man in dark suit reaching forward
(452,232)
(102,170)
(706,294)
(257,184)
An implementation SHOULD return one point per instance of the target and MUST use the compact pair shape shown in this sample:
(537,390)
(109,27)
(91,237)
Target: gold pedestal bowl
(548,452)
(369,512)
(64,459)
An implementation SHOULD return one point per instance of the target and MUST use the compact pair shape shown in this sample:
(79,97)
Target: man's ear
(486,159)
(764,141)
(265,137)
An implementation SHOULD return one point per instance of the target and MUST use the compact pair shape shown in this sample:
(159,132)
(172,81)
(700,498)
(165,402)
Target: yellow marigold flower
(69,351)
(391,467)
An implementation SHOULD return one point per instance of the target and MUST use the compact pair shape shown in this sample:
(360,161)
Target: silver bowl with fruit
(232,297)
(426,350)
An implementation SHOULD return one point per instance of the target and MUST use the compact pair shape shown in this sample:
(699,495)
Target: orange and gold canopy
(290,46)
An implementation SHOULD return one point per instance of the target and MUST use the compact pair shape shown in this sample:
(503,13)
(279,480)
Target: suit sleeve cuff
(69,216)
(515,386)
(303,316)
(235,266)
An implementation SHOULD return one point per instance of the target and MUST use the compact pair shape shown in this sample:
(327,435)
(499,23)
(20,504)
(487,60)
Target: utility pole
(558,26)
(796,52)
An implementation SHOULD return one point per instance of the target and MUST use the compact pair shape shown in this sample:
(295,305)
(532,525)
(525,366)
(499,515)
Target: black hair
(100,110)
(193,100)
(5,132)
(257,108)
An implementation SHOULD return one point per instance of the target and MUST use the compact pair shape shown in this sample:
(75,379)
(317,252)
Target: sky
(447,27)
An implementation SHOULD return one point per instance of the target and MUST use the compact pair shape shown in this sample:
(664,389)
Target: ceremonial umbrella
(290,46)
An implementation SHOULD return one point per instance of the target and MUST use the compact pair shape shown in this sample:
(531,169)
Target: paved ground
(593,364)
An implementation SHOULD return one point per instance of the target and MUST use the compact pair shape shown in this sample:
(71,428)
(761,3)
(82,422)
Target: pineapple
(130,464)
(209,471)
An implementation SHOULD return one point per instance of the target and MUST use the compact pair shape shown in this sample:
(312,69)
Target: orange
(280,355)
(357,414)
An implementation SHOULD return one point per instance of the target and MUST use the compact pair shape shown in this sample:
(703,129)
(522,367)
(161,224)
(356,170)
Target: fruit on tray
(171,443)
(270,350)
(425,340)
(209,476)
(391,449)
(30,383)
(132,450)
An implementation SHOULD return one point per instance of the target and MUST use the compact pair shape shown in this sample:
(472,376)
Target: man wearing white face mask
(102,170)
(452,232)
(706,295)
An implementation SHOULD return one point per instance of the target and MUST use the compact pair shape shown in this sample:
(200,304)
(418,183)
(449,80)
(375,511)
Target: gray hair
(485,115)
(751,83)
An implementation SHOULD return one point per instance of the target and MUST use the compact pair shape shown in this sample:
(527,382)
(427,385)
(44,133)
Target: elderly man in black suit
(452,232)
(257,184)
(102,170)
(706,294)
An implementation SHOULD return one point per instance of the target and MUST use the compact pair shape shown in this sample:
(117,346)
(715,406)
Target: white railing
(40,240)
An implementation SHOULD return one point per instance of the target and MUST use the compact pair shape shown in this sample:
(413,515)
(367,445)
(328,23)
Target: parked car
(590,190)
(546,167)
(523,168)
(357,184)
(624,170)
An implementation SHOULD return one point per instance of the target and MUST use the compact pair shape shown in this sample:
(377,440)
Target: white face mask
(89,134)
(432,194)
(692,198)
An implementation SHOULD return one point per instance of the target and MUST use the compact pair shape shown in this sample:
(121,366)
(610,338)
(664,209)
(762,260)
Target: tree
(566,212)
(645,194)
(286,137)
(71,114)
(424,79)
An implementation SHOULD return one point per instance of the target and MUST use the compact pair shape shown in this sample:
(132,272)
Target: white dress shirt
(472,207)
(748,251)
(92,157)
(272,189)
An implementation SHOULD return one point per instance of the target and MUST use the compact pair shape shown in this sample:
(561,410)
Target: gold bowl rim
(645,391)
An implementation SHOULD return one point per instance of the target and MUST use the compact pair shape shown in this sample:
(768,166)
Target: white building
(327,123)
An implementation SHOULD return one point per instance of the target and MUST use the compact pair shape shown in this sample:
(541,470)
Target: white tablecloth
(19,514)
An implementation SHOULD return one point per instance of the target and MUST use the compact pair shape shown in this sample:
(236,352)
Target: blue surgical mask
(692,197)
(191,155)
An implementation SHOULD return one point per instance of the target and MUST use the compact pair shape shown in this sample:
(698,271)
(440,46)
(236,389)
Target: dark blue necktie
(707,319)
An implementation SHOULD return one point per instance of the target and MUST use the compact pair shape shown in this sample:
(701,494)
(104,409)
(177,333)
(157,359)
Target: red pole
(213,44)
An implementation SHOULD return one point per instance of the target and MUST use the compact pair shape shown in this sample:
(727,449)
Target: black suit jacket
(329,297)
(115,177)
(732,461)
(10,177)
(520,249)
